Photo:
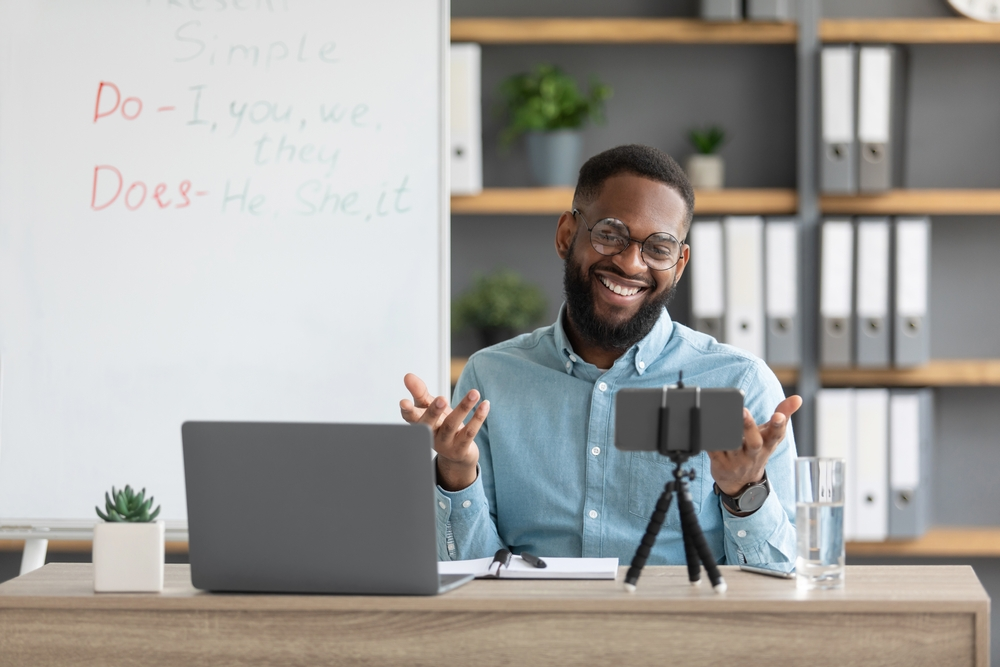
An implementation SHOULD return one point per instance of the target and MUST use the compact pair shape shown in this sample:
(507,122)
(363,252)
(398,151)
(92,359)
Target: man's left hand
(735,469)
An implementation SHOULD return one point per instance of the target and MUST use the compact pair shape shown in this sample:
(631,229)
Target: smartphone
(782,570)
(717,424)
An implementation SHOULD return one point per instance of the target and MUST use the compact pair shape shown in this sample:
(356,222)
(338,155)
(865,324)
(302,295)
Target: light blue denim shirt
(551,480)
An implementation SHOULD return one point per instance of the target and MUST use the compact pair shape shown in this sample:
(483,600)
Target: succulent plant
(129,506)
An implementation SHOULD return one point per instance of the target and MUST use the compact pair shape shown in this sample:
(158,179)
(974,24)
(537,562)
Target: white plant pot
(707,172)
(128,557)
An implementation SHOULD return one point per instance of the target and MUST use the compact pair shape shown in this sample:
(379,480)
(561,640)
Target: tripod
(696,549)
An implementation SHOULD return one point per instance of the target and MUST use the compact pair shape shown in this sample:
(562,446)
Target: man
(536,470)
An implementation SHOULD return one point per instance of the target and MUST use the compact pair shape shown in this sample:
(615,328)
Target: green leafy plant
(547,99)
(501,300)
(128,506)
(708,140)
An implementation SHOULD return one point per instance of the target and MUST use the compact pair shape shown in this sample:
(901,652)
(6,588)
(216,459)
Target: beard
(580,298)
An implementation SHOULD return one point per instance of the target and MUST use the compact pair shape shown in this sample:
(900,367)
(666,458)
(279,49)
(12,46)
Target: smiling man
(534,467)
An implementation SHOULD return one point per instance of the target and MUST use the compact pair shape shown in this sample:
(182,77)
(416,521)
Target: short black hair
(637,159)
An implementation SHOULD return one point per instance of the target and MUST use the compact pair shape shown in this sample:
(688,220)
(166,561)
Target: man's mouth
(617,288)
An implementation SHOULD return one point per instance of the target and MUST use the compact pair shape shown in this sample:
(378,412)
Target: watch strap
(733,502)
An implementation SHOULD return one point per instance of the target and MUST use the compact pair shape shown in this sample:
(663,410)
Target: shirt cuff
(751,533)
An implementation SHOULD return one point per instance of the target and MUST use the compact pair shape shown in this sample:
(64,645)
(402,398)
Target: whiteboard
(210,210)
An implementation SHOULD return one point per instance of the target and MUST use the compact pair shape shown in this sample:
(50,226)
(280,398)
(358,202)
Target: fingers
(418,389)
(411,413)
(752,438)
(789,406)
(455,421)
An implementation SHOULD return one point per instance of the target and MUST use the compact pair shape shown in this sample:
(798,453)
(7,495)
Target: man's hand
(454,441)
(735,469)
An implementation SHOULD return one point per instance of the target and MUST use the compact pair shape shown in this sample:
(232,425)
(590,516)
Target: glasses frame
(590,230)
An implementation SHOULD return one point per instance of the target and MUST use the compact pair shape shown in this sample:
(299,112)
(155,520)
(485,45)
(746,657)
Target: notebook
(555,568)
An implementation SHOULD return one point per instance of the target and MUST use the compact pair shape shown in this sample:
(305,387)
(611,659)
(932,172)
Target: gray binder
(781,278)
(838,136)
(769,10)
(707,278)
(911,437)
(836,282)
(722,10)
(872,315)
(881,91)
(912,340)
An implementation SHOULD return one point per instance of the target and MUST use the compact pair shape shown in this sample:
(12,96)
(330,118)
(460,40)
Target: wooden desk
(923,615)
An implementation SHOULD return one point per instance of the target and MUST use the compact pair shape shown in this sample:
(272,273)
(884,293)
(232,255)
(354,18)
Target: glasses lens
(661,251)
(609,236)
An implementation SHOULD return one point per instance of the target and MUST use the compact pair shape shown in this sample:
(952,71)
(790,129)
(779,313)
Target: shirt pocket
(649,472)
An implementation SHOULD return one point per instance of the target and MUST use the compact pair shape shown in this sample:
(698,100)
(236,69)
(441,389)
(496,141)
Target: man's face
(613,302)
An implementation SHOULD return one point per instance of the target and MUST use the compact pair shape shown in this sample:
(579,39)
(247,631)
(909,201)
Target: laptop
(312,508)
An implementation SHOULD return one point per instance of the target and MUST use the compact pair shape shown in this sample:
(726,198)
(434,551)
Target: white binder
(781,277)
(744,245)
(707,287)
(910,439)
(871,442)
(912,342)
(466,120)
(872,316)
(835,439)
(838,153)
(880,120)
(836,281)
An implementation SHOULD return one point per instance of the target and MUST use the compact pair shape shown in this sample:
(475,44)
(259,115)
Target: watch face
(753,498)
(981,10)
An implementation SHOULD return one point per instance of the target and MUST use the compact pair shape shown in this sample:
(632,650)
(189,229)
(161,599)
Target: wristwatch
(748,499)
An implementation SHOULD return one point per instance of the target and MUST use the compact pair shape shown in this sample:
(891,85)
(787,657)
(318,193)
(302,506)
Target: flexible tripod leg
(690,526)
(690,553)
(649,539)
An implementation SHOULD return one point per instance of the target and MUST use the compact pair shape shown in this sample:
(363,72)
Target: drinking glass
(819,523)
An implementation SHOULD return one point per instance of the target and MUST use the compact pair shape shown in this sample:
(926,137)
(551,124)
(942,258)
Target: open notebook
(556,568)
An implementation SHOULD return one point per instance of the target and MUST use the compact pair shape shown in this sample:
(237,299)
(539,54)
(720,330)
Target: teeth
(618,289)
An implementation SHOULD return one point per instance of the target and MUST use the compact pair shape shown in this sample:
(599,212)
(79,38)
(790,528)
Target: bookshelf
(553,201)
(938,373)
(939,541)
(916,202)
(909,31)
(618,31)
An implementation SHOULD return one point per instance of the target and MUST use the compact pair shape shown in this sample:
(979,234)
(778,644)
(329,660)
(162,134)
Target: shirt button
(603,386)
(741,533)
(467,503)
(572,357)
(569,364)
(593,514)
(442,505)
(595,451)
(642,364)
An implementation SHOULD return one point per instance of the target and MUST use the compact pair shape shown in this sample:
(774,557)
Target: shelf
(941,373)
(954,542)
(553,201)
(909,31)
(619,31)
(919,202)
(81,546)
(787,376)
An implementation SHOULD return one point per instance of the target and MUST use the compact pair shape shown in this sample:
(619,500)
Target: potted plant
(498,306)
(706,168)
(128,546)
(548,108)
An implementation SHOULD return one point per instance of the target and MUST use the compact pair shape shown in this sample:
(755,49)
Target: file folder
(707,287)
(911,429)
(871,481)
(769,10)
(722,10)
(781,277)
(871,322)
(835,439)
(838,153)
(744,251)
(836,281)
(466,120)
(912,343)
(880,118)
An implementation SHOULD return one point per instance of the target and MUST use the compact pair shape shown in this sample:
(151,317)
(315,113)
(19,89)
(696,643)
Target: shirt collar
(641,355)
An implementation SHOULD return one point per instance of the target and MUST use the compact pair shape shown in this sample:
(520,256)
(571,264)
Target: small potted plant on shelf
(128,546)
(706,168)
(548,108)
(498,306)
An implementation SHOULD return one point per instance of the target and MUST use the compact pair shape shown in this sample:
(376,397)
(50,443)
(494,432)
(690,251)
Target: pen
(532,560)
(500,559)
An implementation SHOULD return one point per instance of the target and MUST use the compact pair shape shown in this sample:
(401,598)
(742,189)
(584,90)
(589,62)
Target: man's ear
(682,264)
(565,233)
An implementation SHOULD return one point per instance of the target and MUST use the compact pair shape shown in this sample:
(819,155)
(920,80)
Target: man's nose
(630,260)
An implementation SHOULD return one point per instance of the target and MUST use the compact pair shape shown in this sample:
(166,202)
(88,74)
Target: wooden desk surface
(899,615)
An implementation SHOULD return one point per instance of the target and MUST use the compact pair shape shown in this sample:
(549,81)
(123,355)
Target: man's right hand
(457,452)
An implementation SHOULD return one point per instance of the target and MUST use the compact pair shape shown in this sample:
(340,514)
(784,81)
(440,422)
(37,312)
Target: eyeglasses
(660,251)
